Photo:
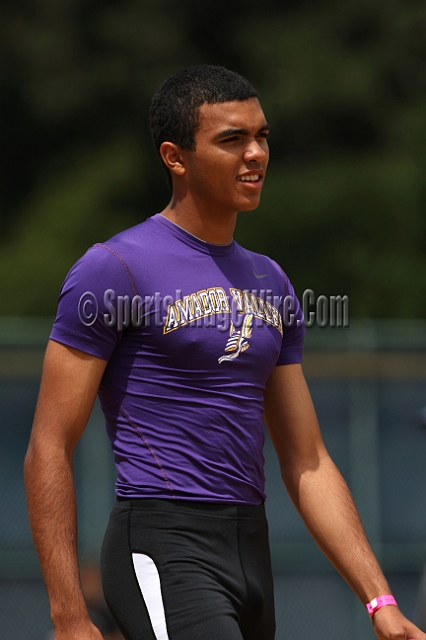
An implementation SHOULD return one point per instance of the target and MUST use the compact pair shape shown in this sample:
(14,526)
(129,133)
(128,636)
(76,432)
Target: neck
(202,222)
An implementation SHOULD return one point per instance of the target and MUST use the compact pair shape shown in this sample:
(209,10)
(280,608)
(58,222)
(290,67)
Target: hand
(390,624)
(86,631)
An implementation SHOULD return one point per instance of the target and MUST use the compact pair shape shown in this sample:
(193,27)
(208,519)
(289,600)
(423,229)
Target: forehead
(237,114)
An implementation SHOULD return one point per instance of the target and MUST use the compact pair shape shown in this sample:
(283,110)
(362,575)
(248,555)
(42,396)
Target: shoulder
(141,232)
(117,255)
(130,241)
(264,268)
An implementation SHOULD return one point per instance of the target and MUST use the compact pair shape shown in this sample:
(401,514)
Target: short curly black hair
(175,106)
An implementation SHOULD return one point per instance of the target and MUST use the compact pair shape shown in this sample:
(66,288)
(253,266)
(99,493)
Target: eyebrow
(244,132)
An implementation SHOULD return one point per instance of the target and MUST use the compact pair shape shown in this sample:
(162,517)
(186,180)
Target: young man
(186,556)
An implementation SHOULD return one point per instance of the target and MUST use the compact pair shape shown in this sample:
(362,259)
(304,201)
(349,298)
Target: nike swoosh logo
(261,275)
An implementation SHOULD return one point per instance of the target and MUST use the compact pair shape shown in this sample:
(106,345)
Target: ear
(172,157)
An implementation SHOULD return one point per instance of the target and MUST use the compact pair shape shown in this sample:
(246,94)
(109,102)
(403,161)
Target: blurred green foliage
(342,83)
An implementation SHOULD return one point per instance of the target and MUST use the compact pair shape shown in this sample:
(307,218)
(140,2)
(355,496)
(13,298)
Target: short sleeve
(87,316)
(293,327)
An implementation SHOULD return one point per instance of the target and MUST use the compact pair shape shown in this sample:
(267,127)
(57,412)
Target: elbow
(297,470)
(31,463)
(29,458)
(43,456)
(291,476)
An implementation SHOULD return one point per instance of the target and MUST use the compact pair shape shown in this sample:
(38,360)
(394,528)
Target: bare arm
(69,385)
(322,497)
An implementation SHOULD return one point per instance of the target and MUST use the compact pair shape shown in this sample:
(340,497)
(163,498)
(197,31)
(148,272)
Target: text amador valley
(207,302)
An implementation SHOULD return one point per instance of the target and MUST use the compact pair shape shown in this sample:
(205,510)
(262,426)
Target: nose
(256,151)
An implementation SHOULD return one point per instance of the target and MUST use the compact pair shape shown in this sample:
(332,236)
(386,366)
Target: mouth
(252,180)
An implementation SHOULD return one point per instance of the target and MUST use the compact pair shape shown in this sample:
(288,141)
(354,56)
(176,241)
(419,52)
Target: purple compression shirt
(192,332)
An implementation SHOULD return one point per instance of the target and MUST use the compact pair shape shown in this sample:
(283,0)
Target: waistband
(221,510)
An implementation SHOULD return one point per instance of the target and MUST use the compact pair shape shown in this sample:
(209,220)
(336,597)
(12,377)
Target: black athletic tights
(180,570)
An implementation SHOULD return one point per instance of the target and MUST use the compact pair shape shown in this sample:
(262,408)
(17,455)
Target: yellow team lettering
(207,302)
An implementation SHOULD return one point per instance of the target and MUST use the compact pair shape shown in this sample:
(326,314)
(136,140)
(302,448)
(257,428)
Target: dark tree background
(343,84)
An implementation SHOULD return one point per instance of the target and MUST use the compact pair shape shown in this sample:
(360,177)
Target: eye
(230,139)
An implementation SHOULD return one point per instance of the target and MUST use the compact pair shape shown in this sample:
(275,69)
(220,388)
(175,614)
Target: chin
(249,206)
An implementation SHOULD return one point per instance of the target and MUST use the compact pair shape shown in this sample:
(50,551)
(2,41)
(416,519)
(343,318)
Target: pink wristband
(379,602)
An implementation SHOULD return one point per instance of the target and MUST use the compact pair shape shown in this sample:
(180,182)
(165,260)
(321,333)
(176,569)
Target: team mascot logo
(237,341)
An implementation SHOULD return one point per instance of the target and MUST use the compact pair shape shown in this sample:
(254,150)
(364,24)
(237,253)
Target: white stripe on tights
(149,584)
